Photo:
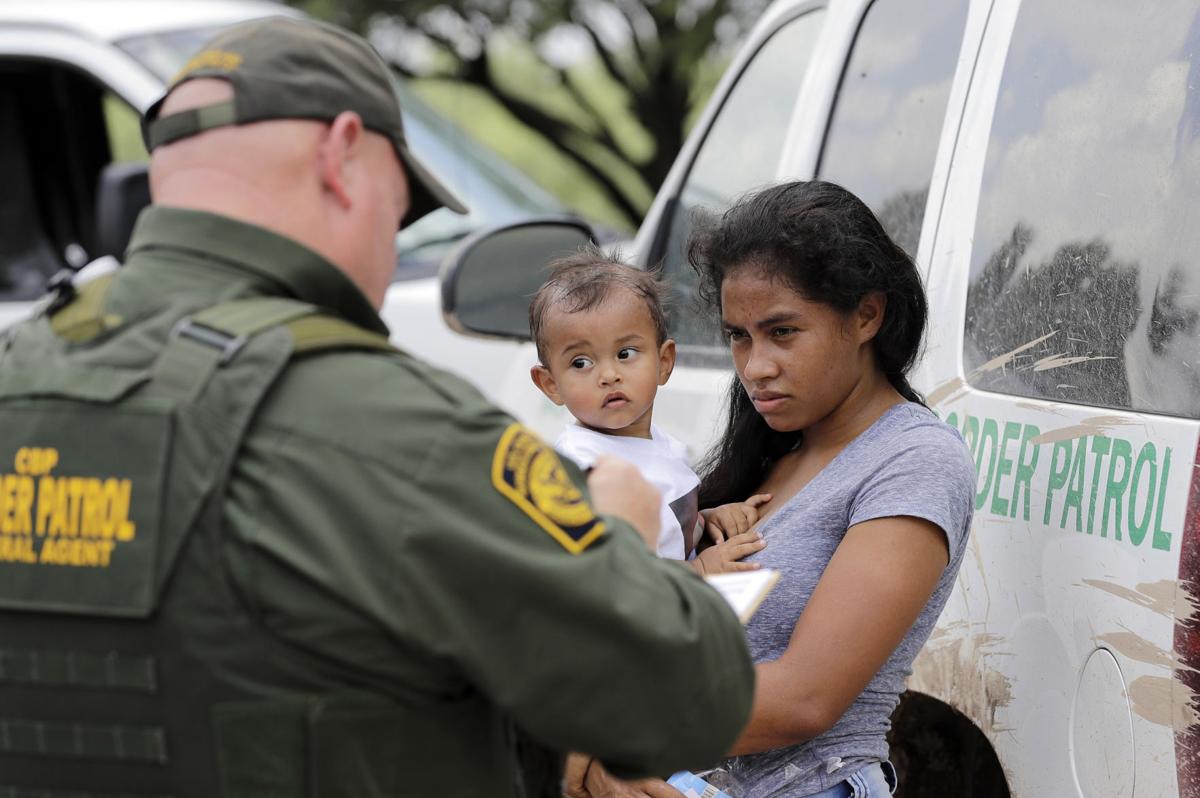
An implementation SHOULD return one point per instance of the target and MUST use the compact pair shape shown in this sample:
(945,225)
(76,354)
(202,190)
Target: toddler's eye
(580,363)
(626,352)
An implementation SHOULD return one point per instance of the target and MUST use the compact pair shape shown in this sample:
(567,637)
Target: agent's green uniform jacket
(248,550)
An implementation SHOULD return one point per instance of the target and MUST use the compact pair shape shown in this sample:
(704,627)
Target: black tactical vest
(129,664)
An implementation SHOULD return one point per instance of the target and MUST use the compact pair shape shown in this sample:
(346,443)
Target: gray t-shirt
(907,463)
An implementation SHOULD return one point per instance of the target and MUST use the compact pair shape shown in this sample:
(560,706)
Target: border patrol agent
(249,549)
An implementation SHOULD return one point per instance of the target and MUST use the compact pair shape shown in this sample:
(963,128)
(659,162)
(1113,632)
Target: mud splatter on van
(956,670)
(1135,647)
(1164,701)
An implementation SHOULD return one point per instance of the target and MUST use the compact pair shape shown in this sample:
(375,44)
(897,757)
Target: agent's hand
(618,489)
(723,557)
(574,775)
(722,523)
(601,784)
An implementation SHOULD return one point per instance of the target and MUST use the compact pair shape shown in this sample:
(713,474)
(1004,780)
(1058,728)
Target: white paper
(744,590)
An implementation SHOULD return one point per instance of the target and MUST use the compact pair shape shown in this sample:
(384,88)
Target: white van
(1041,160)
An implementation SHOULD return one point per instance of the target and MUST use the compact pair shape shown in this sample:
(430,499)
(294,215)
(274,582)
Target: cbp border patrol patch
(530,475)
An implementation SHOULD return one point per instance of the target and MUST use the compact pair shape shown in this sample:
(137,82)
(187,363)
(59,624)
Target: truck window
(53,143)
(887,118)
(1084,283)
(124,128)
(737,155)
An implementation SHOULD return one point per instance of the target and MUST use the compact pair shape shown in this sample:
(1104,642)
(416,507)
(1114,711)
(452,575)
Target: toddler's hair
(583,280)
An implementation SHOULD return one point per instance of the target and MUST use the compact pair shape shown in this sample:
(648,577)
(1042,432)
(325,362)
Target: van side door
(1064,346)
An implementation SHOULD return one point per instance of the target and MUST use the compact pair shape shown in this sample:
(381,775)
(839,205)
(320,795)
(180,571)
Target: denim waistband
(877,780)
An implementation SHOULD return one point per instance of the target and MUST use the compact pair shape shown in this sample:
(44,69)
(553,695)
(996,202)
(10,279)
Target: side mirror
(122,191)
(489,280)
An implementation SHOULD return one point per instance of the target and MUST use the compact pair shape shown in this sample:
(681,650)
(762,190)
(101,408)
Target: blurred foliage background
(590,98)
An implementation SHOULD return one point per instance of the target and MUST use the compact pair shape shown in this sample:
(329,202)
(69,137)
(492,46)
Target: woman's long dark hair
(825,244)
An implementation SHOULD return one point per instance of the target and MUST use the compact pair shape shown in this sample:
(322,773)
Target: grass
(124,130)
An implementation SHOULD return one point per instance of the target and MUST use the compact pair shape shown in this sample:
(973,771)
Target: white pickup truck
(1041,161)
(75,75)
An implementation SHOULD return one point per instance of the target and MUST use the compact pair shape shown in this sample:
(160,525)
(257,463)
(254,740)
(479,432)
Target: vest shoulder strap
(202,342)
(84,319)
(242,318)
(320,333)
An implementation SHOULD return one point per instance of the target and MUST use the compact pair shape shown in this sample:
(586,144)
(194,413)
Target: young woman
(871,494)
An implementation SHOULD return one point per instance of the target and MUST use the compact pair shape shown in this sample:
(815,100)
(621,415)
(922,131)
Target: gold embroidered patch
(209,59)
(530,475)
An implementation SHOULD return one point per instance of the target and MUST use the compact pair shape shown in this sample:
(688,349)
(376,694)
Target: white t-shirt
(663,462)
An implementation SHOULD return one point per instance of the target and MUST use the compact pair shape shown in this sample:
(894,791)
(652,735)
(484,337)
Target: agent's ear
(868,317)
(337,150)
(666,360)
(546,383)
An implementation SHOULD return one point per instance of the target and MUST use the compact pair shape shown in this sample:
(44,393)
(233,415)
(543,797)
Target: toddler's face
(605,364)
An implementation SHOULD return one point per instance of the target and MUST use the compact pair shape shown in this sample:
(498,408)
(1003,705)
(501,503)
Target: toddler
(601,337)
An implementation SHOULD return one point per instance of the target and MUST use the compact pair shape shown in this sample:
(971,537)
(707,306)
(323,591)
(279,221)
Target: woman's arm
(871,593)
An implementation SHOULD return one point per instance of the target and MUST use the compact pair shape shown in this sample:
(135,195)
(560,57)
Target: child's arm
(722,523)
(723,557)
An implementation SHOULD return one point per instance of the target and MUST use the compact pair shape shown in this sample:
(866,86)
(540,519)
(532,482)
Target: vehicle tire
(939,753)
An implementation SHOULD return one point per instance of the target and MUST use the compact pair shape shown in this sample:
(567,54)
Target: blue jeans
(873,781)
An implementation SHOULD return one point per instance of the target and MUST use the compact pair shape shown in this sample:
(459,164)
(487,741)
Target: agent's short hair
(583,280)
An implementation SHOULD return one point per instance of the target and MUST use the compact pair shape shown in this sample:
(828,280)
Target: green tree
(618,106)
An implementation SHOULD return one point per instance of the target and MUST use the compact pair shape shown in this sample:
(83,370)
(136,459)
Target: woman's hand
(722,523)
(723,557)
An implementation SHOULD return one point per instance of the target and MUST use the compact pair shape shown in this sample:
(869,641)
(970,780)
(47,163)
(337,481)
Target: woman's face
(797,360)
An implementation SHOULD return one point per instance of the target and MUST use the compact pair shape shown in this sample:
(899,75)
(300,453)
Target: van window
(883,133)
(740,151)
(1085,284)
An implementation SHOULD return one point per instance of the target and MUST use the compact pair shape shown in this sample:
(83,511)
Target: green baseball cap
(288,68)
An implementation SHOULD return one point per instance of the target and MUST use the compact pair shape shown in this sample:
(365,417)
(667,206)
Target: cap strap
(167,129)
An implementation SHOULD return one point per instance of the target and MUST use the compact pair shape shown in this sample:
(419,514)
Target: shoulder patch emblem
(529,474)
